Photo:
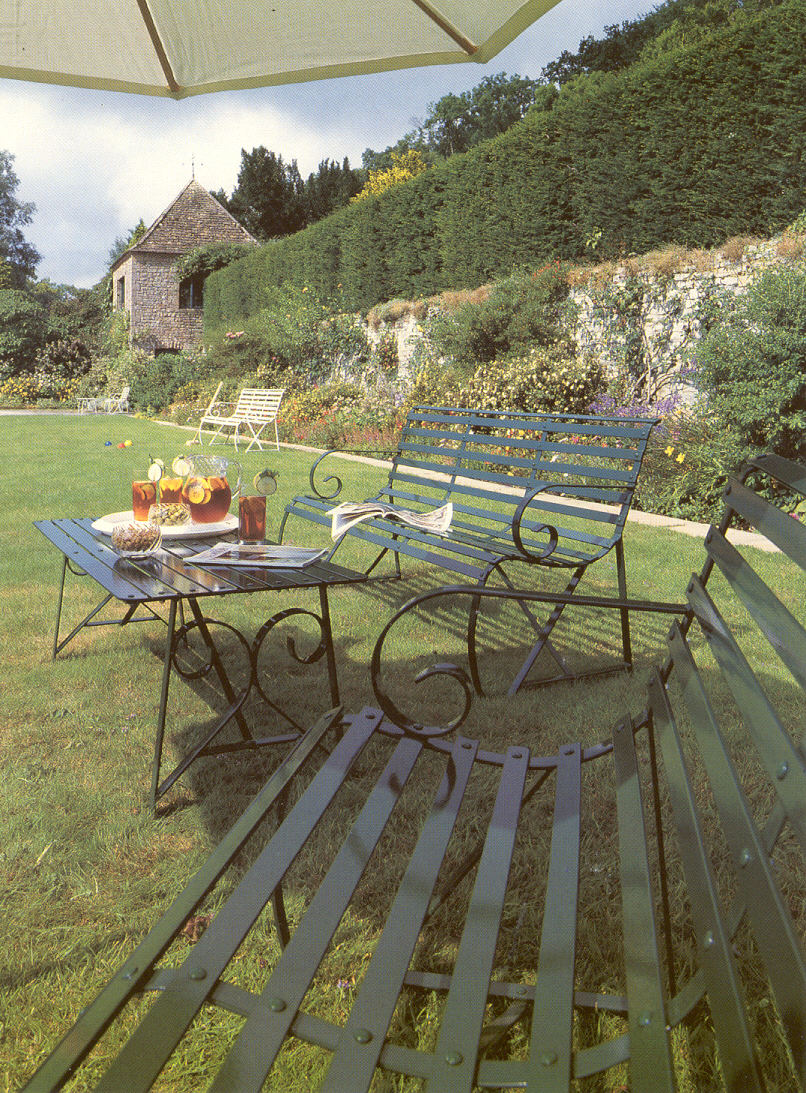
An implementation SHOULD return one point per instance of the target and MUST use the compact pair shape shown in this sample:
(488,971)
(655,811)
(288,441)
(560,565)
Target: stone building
(164,313)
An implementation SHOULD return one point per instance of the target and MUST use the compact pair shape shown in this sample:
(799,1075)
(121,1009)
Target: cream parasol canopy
(177,48)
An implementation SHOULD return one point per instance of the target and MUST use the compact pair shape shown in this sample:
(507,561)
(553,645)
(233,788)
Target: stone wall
(156,319)
(662,305)
(658,308)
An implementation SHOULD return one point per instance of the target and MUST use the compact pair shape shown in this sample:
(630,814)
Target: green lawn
(84,867)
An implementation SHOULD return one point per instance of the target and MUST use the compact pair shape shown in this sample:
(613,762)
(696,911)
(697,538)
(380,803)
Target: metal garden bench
(528,490)
(628,909)
(249,416)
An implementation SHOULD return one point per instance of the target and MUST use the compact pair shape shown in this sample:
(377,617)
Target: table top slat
(170,573)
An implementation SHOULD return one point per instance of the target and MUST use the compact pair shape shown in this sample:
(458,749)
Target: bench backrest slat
(256,404)
(752,764)
(465,456)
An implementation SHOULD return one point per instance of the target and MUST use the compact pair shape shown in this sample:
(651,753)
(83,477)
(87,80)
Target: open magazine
(259,554)
(345,516)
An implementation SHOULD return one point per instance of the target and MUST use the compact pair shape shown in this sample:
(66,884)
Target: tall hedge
(702,138)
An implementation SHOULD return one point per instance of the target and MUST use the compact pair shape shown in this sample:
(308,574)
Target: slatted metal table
(170,578)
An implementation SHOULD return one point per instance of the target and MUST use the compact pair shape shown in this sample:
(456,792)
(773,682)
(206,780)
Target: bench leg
(621,576)
(255,441)
(544,642)
(543,632)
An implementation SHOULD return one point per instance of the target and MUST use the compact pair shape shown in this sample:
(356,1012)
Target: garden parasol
(177,48)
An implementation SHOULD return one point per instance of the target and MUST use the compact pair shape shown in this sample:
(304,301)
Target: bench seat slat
(354,1061)
(461,1024)
(713,939)
(651,1067)
(258,1042)
(145,1054)
(784,633)
(552,1019)
(775,932)
(773,742)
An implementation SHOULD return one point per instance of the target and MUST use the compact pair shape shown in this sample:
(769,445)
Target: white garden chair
(254,410)
(118,404)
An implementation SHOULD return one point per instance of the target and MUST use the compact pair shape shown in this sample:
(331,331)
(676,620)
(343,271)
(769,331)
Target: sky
(95,162)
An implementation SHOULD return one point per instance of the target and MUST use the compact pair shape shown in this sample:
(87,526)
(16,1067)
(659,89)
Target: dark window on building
(191,292)
(121,300)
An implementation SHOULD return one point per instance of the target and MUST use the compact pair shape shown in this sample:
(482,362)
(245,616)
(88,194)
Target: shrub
(432,381)
(685,465)
(155,381)
(751,369)
(385,356)
(59,367)
(521,311)
(20,390)
(547,380)
(296,332)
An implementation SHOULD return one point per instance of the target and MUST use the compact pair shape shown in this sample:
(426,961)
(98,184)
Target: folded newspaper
(345,516)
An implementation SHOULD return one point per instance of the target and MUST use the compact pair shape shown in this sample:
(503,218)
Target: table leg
(59,601)
(330,652)
(218,666)
(166,680)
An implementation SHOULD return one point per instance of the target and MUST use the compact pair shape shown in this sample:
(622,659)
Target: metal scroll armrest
(417,727)
(517,519)
(333,477)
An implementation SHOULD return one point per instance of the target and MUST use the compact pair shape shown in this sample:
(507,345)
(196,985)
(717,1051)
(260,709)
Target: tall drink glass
(251,519)
(144,495)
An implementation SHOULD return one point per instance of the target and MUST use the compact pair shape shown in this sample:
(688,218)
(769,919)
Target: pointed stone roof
(194,219)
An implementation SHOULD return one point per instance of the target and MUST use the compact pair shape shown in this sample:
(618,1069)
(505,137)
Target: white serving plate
(106,524)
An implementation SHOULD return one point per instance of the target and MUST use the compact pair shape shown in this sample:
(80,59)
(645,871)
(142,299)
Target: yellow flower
(681,457)
(669,450)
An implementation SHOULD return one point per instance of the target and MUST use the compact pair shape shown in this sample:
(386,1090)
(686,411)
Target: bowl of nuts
(170,514)
(136,540)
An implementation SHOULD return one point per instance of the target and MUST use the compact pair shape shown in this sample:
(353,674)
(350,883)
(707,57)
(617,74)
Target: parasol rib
(159,48)
(444,24)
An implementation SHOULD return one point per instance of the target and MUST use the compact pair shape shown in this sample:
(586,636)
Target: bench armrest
(339,485)
(517,518)
(477,593)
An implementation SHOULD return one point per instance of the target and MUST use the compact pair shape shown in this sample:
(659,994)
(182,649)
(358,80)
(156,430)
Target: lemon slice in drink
(265,482)
(198,493)
(156,470)
(180,466)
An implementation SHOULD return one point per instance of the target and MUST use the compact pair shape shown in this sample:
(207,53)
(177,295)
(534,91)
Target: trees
(268,197)
(23,324)
(18,259)
(329,189)
(456,123)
